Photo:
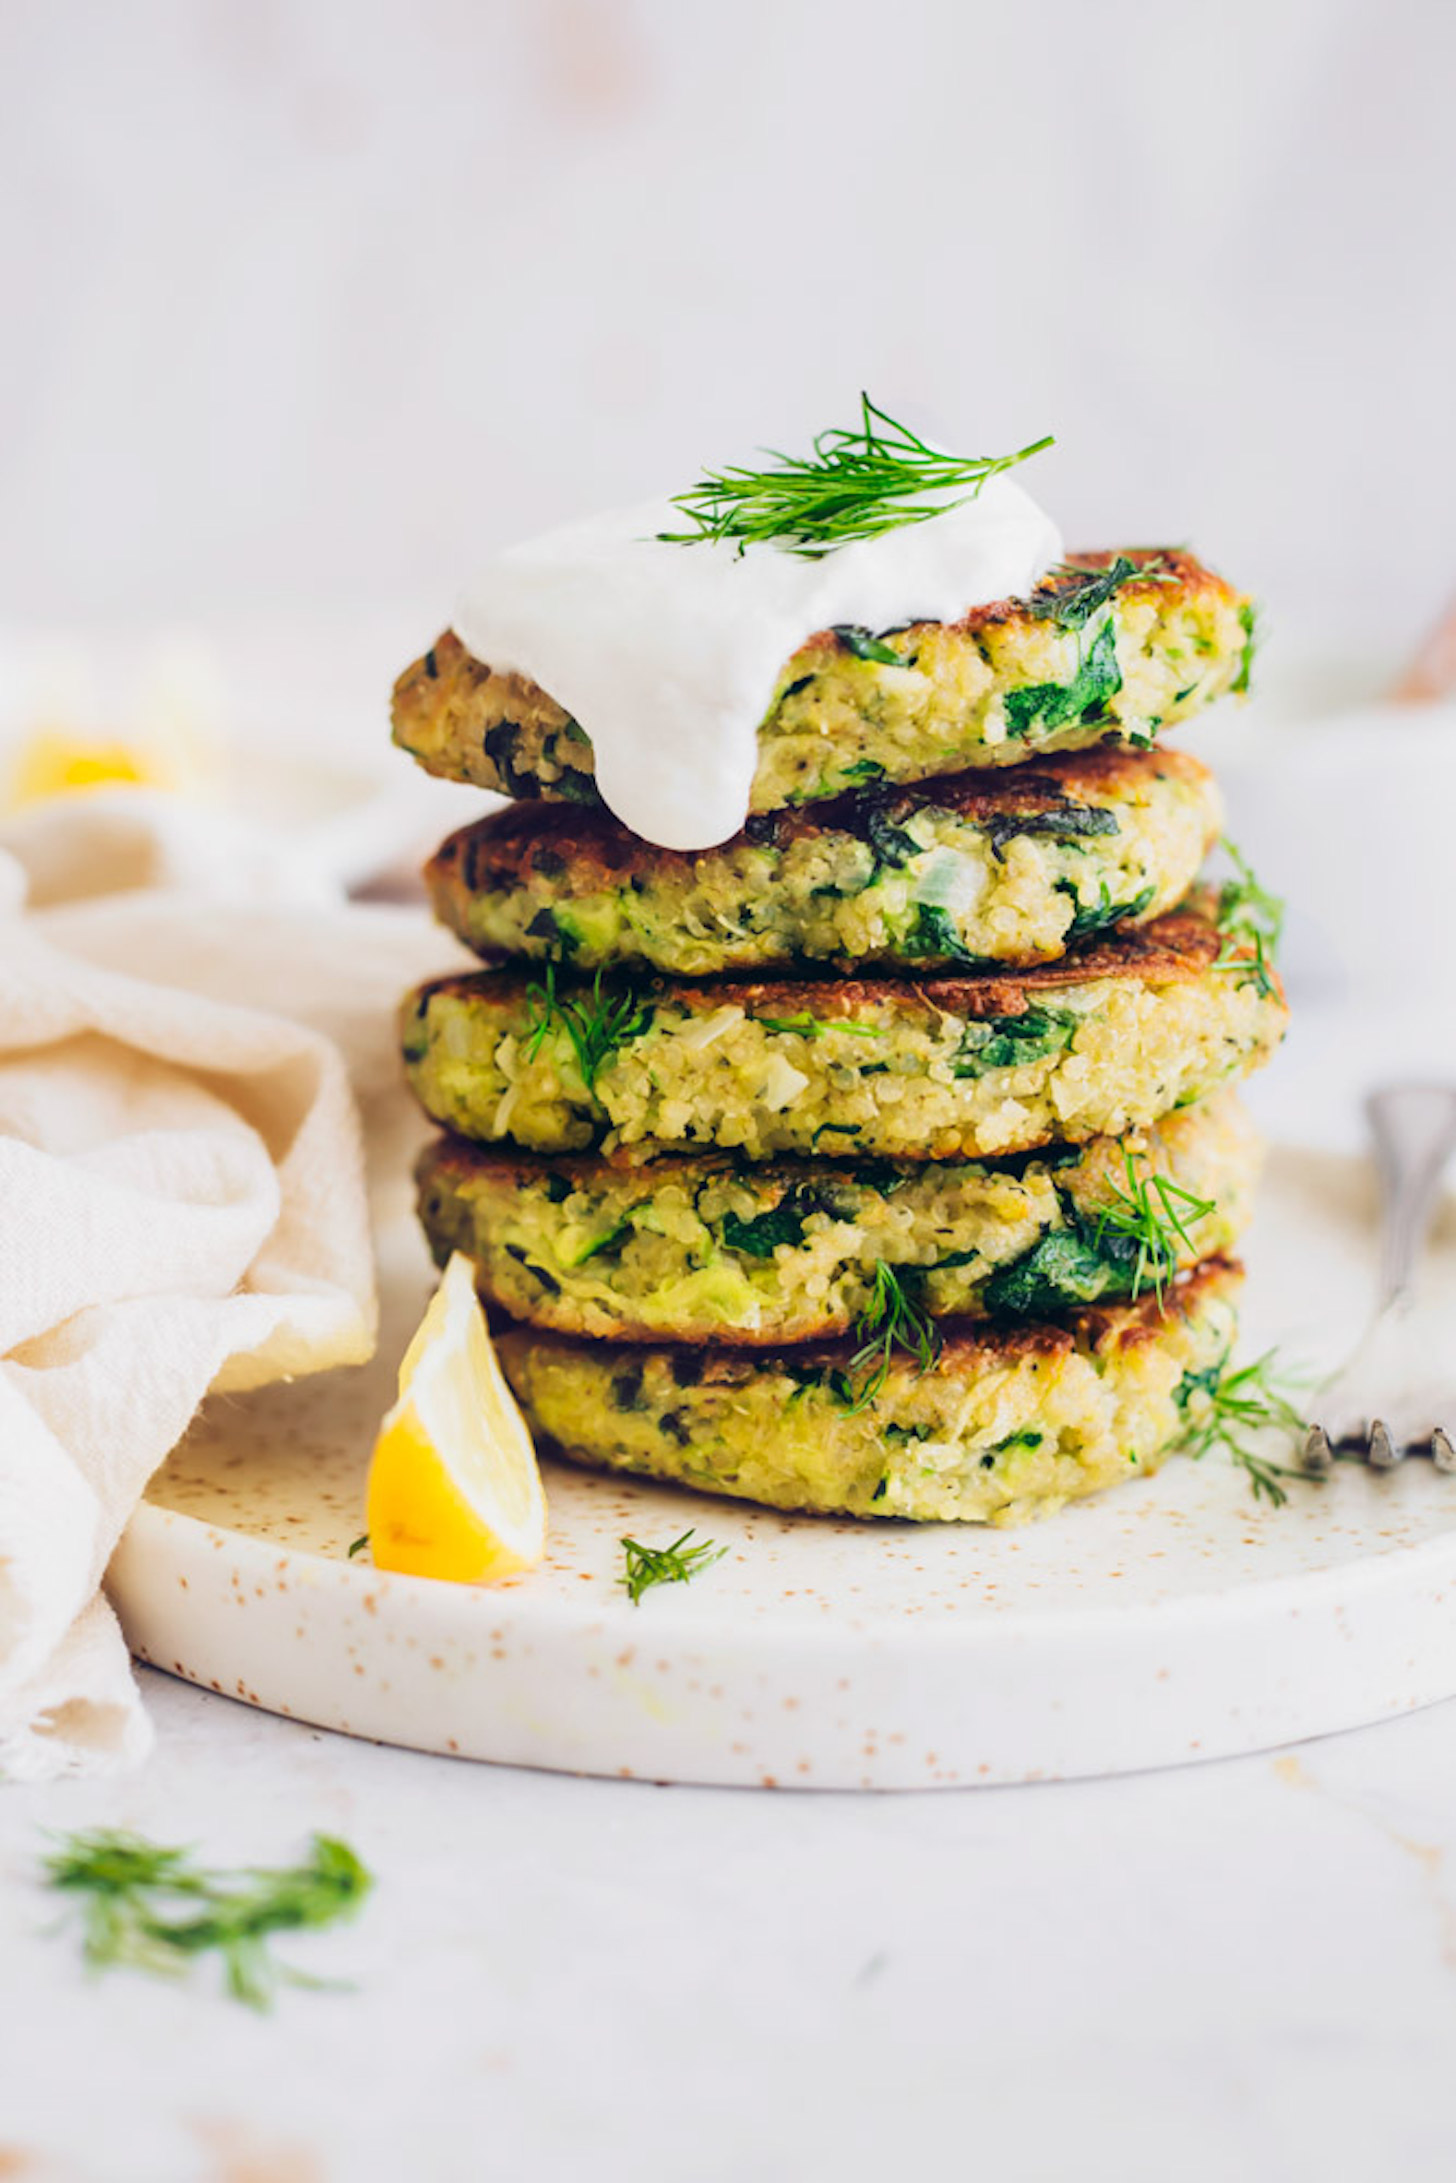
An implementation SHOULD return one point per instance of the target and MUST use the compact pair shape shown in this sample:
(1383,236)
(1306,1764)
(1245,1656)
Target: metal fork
(1414,1127)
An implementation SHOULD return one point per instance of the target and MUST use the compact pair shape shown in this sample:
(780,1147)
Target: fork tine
(1384,1453)
(1317,1457)
(1442,1452)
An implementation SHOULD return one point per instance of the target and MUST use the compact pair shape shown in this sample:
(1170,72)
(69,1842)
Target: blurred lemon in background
(169,738)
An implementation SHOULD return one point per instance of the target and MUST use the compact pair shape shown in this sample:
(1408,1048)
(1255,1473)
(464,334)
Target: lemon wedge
(54,763)
(454,1488)
(168,738)
(59,761)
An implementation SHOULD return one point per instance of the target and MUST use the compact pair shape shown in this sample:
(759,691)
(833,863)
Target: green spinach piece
(819,1379)
(577,788)
(1061,1270)
(546,925)
(884,1177)
(1069,822)
(837,1129)
(1026,1438)
(1104,914)
(1009,1042)
(1050,705)
(761,1237)
(865,645)
(891,844)
(933,934)
(1072,605)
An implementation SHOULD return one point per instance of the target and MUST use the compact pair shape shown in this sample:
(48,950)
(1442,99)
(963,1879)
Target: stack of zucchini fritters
(880,1160)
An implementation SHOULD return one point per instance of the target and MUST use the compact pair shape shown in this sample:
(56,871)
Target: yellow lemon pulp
(454,1488)
(53,763)
(174,755)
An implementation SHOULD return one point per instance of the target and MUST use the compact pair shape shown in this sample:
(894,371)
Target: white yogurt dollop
(667,655)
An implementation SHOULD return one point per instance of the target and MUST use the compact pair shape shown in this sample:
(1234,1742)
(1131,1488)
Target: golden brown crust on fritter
(1181,946)
(990,690)
(509,847)
(967,1346)
(449,673)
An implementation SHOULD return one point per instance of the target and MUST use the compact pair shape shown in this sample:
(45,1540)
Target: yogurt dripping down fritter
(667,655)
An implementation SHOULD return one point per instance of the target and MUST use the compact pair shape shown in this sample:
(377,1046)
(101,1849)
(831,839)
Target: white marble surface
(1245,1969)
(320,304)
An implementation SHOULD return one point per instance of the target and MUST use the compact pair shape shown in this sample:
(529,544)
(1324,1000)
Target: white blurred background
(309,304)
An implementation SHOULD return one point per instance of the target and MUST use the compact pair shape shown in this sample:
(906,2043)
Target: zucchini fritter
(1102,1042)
(973,869)
(1074,664)
(702,1248)
(998,1427)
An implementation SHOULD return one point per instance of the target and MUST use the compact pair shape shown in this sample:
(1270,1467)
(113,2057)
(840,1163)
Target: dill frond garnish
(1151,1212)
(151,1908)
(894,1318)
(856,484)
(675,1564)
(1245,906)
(1233,1405)
(1251,920)
(1253,638)
(596,1023)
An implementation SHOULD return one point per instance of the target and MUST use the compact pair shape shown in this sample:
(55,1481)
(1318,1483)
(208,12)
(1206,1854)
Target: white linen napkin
(182,1209)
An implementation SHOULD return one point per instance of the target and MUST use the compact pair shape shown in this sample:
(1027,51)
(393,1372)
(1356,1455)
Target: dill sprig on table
(596,1023)
(152,1908)
(1253,1399)
(894,1318)
(857,484)
(1152,1212)
(675,1564)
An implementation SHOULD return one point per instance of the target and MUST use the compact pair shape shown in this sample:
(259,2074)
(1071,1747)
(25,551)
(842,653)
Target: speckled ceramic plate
(1174,1619)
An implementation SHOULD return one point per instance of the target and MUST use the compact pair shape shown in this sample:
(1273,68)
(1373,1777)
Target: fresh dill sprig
(894,1318)
(1153,1212)
(1244,905)
(595,1023)
(857,484)
(1251,920)
(153,1909)
(675,1564)
(1249,622)
(1234,1405)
